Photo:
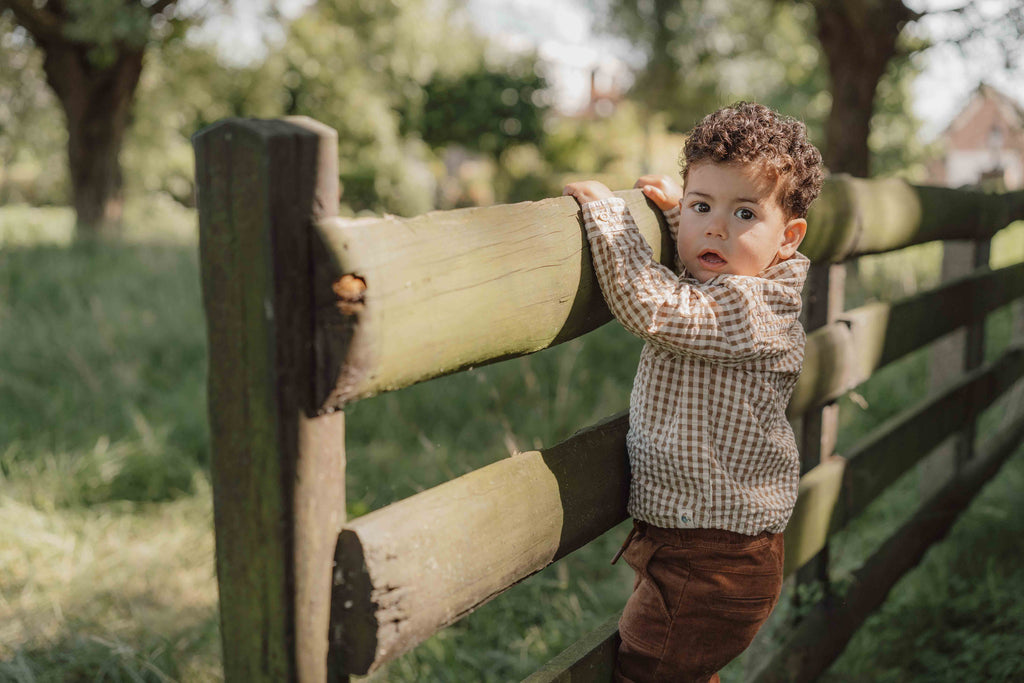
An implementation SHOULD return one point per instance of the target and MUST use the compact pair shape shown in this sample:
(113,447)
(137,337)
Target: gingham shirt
(709,444)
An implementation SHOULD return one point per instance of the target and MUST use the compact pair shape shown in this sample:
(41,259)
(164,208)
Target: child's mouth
(711,259)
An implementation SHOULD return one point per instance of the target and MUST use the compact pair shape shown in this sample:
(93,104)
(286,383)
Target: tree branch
(159,6)
(40,22)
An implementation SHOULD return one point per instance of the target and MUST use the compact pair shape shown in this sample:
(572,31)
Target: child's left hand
(587,191)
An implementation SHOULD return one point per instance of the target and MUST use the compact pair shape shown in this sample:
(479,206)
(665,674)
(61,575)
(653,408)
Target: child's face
(732,223)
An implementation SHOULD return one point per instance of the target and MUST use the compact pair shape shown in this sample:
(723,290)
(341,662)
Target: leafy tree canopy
(701,55)
(367,69)
(485,110)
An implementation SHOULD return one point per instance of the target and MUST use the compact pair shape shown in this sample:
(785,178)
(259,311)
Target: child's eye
(744,214)
(701,207)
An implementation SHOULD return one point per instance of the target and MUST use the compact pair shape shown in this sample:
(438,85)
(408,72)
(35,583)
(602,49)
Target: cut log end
(354,627)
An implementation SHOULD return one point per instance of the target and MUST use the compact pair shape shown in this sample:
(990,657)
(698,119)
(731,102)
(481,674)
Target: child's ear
(792,236)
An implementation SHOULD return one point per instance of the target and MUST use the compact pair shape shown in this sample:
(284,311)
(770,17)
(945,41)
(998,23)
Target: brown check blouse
(709,444)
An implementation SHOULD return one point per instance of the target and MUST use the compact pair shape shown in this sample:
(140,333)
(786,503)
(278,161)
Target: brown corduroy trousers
(700,596)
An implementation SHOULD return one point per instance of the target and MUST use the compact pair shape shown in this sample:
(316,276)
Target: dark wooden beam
(277,469)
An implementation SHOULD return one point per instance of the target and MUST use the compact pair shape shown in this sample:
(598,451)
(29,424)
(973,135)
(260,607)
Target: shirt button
(602,216)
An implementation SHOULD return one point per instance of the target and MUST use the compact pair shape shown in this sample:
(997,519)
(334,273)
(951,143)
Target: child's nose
(715,228)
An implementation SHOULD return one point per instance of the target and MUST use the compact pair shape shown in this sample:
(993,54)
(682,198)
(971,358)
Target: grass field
(106,547)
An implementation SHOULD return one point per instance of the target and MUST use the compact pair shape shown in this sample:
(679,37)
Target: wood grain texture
(278,472)
(509,280)
(810,525)
(418,565)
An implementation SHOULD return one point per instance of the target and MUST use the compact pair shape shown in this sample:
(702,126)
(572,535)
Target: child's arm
(667,195)
(732,320)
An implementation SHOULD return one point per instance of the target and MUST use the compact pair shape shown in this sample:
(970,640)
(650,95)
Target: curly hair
(751,133)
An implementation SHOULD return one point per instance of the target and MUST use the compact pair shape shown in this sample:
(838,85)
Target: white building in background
(983,143)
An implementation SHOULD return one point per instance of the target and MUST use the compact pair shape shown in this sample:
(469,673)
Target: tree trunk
(97,104)
(858,39)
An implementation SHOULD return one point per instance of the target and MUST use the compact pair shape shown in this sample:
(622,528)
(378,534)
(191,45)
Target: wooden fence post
(949,358)
(278,471)
(823,303)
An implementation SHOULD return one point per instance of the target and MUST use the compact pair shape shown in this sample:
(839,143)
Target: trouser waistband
(686,536)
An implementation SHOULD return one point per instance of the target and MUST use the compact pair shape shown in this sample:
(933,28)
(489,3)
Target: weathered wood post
(819,429)
(949,358)
(278,470)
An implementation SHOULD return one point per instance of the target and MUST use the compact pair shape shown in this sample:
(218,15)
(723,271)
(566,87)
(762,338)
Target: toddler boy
(714,464)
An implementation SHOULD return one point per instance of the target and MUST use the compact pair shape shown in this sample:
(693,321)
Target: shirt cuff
(604,215)
(673,213)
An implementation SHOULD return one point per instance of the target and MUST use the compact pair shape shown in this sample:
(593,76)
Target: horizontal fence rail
(857,216)
(837,490)
(509,280)
(844,354)
(476,535)
(453,289)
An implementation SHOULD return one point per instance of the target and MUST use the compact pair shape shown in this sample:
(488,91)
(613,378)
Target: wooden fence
(308,312)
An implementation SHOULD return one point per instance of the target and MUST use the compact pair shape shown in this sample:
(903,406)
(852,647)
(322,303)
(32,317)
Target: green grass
(106,548)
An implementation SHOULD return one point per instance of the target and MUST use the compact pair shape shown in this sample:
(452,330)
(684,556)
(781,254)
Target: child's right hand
(665,192)
(585,191)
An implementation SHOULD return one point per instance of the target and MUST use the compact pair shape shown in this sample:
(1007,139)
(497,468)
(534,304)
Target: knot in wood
(350,291)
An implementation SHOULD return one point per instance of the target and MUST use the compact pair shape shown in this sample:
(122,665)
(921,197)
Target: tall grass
(106,546)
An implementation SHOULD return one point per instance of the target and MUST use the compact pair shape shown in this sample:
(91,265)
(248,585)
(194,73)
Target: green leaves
(107,26)
(486,110)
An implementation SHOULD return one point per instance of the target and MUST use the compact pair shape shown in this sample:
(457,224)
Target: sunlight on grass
(154,219)
(104,581)
(22,225)
(157,218)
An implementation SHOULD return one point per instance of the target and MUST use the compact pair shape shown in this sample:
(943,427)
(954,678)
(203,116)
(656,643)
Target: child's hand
(587,191)
(660,189)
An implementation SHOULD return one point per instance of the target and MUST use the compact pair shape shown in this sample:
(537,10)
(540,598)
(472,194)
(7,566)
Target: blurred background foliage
(430,113)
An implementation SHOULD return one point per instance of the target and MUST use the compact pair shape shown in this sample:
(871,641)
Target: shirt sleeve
(730,319)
